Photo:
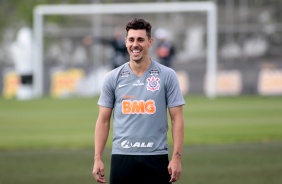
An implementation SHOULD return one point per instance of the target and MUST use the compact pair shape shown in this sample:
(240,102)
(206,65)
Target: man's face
(138,44)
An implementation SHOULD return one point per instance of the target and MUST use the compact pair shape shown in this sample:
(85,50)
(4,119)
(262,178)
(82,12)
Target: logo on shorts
(153,83)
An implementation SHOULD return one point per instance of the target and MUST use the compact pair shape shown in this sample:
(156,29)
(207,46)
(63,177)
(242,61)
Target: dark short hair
(138,24)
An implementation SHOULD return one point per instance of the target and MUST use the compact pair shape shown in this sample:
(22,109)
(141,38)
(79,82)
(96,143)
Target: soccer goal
(209,8)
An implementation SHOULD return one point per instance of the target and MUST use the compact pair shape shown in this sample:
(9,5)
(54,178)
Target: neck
(139,68)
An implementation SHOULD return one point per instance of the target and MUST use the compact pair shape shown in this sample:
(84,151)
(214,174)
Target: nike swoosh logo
(122,85)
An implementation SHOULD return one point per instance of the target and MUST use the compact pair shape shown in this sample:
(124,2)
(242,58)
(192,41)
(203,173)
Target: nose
(135,43)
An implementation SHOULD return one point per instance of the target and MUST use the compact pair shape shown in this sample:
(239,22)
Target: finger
(179,175)
(96,175)
(99,178)
(169,170)
(172,180)
(173,177)
(102,174)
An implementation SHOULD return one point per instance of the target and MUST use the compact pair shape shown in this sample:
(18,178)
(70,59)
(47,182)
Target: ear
(151,41)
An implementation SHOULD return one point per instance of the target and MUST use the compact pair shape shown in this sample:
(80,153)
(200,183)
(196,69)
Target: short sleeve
(173,92)
(107,96)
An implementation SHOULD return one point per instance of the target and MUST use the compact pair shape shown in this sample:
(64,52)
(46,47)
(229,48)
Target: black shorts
(139,169)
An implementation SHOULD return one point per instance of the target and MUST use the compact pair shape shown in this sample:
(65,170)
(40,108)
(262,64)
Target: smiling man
(138,93)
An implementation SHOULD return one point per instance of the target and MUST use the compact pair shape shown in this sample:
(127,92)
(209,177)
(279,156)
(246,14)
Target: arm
(101,136)
(174,167)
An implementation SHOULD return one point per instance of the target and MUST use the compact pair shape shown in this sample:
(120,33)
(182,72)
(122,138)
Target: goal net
(68,59)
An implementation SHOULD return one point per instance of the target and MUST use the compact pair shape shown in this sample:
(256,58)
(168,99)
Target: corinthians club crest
(153,83)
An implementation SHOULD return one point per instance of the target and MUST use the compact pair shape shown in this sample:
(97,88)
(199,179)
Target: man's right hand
(98,172)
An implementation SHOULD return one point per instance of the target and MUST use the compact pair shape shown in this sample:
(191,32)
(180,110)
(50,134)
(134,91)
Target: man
(119,55)
(165,49)
(139,92)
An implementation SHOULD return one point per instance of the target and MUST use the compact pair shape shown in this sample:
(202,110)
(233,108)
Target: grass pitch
(227,140)
(251,163)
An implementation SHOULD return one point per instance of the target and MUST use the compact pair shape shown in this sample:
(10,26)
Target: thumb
(169,169)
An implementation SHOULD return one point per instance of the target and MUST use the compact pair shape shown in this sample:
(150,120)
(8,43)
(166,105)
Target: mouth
(135,51)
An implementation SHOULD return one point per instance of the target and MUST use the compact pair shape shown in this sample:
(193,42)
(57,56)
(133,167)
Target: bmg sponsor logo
(138,107)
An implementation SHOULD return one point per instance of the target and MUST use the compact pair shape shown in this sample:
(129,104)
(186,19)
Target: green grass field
(227,141)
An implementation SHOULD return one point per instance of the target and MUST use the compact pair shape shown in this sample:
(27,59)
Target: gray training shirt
(140,108)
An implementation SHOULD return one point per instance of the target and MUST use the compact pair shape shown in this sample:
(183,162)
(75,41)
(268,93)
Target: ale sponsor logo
(137,144)
(126,144)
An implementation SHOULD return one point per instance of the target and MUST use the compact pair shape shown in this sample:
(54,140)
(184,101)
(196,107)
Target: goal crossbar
(126,8)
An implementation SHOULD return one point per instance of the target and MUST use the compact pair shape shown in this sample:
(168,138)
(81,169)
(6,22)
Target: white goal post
(126,8)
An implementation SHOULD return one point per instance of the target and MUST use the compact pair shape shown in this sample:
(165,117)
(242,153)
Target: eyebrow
(136,38)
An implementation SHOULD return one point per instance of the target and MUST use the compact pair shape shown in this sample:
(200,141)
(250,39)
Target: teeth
(136,51)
